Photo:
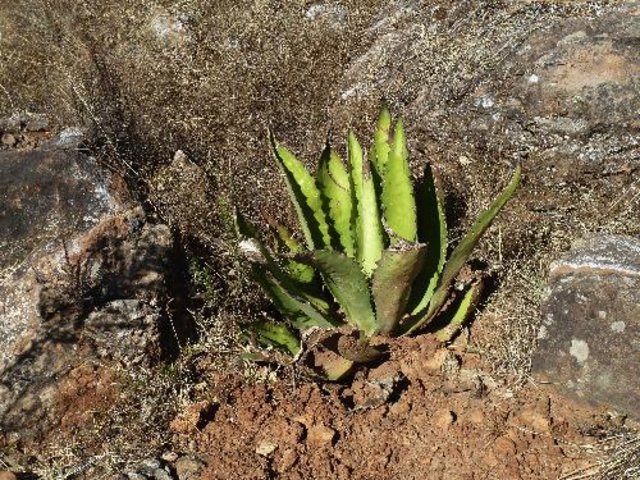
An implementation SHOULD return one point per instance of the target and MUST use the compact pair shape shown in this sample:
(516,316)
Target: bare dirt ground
(426,412)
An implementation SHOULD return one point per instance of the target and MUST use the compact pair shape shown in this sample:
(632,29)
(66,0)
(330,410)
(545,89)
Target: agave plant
(374,253)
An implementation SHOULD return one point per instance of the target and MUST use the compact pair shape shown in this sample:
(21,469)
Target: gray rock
(589,341)
(540,84)
(82,279)
(149,466)
(136,476)
(47,194)
(30,122)
(70,137)
(332,12)
(171,29)
(160,474)
(12,124)
(36,122)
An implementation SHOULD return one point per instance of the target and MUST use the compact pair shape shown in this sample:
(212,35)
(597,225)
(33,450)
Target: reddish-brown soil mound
(424,413)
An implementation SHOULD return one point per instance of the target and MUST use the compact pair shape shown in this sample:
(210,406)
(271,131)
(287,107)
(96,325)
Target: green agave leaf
(333,181)
(461,253)
(276,335)
(461,313)
(335,369)
(397,191)
(299,271)
(288,240)
(432,230)
(368,228)
(348,285)
(308,292)
(380,152)
(291,304)
(392,281)
(253,357)
(305,196)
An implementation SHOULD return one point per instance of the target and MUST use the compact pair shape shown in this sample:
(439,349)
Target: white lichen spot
(533,78)
(487,101)
(168,27)
(464,160)
(574,37)
(618,327)
(542,333)
(333,12)
(250,248)
(354,91)
(70,136)
(579,350)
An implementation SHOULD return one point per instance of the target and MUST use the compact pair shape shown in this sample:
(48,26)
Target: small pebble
(188,468)
(320,435)
(152,463)
(169,456)
(160,474)
(136,476)
(444,418)
(266,448)
(8,139)
(37,123)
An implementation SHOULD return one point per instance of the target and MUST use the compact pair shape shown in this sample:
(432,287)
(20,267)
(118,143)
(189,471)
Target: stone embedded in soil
(148,466)
(188,468)
(160,474)
(536,422)
(288,460)
(320,436)
(136,476)
(36,122)
(444,418)
(170,456)
(8,139)
(266,448)
(589,340)
(8,476)
(500,452)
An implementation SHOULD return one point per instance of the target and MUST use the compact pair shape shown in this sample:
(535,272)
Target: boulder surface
(589,342)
